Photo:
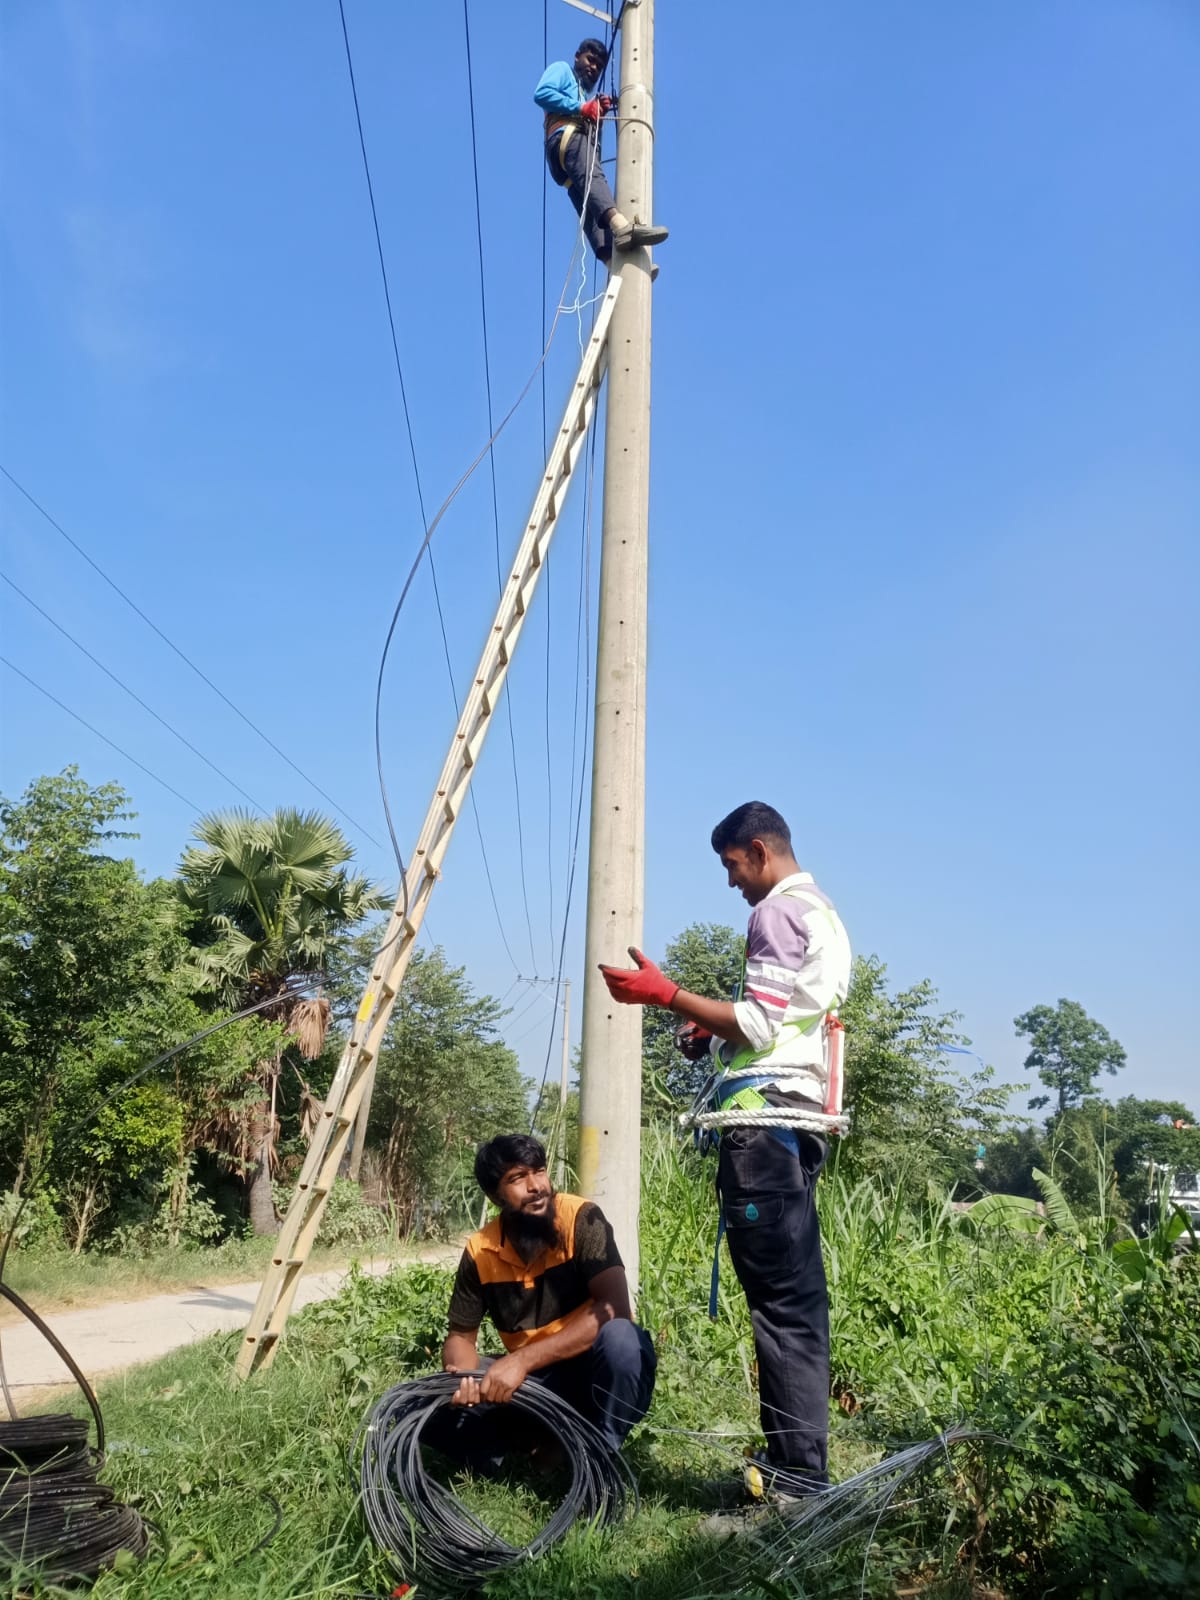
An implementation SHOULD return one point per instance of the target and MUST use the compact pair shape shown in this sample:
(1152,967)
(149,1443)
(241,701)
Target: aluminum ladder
(356,1069)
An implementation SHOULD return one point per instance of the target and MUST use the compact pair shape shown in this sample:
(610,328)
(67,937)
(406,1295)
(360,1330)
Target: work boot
(637,236)
(765,1491)
(764,1480)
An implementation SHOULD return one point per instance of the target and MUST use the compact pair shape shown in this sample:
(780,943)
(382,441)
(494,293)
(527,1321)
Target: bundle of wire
(56,1521)
(814,1528)
(427,1531)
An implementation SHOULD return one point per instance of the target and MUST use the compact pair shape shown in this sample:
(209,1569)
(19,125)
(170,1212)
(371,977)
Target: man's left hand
(647,986)
(502,1379)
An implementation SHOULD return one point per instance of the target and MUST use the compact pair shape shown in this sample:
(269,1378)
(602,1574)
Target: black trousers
(611,1385)
(768,1197)
(578,168)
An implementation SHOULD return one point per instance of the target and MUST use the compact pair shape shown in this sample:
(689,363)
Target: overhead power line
(487,383)
(427,548)
(110,742)
(186,659)
(133,695)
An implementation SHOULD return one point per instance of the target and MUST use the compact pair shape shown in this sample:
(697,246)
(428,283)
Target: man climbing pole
(769,1047)
(572,124)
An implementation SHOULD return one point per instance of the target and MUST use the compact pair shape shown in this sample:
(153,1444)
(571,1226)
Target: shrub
(347,1218)
(38,1226)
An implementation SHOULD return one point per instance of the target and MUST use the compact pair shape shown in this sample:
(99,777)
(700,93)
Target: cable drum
(427,1532)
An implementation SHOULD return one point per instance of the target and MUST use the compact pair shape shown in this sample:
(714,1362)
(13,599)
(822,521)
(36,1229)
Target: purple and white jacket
(797,971)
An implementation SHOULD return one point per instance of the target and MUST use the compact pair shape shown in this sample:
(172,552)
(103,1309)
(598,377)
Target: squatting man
(796,972)
(548,1273)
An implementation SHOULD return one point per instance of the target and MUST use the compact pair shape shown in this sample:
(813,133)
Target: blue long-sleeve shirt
(558,90)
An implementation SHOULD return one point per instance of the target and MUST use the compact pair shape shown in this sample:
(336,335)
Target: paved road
(109,1338)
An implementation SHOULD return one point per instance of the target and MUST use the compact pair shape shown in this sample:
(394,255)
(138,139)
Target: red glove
(606,103)
(693,1040)
(591,110)
(645,987)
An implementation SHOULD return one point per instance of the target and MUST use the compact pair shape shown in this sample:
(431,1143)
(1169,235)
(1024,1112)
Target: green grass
(1091,1381)
(199,1456)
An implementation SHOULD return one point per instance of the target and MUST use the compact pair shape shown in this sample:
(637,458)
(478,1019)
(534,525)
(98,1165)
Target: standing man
(572,124)
(548,1273)
(797,971)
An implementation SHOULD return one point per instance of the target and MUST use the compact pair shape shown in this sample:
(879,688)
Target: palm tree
(270,895)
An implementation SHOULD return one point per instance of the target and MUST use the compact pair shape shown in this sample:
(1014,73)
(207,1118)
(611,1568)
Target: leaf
(1013,1211)
(1057,1209)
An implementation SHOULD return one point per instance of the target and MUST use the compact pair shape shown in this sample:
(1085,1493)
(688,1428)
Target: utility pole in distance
(610,1114)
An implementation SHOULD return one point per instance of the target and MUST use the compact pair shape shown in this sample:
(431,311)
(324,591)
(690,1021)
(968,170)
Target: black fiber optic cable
(428,1534)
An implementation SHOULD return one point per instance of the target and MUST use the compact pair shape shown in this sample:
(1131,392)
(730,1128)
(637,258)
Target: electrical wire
(186,659)
(487,381)
(426,547)
(57,1521)
(112,744)
(425,1532)
(133,695)
(585,617)
(417,559)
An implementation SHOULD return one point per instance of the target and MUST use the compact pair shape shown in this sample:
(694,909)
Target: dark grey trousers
(611,1385)
(769,1203)
(578,168)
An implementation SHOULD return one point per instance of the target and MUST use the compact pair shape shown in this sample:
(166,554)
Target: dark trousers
(611,1385)
(578,168)
(768,1197)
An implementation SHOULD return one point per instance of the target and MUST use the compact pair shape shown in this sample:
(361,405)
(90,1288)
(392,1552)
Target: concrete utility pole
(560,1176)
(610,1113)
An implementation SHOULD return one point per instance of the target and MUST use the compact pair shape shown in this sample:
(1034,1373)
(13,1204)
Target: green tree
(269,897)
(80,943)
(1068,1052)
(445,1081)
(913,1117)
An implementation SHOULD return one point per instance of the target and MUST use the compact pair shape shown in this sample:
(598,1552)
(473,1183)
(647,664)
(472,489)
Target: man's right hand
(693,1041)
(467,1393)
(591,110)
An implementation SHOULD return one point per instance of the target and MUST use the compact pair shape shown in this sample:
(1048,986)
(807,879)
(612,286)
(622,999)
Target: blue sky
(925,493)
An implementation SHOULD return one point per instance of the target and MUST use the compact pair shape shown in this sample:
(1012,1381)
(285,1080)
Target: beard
(532,1234)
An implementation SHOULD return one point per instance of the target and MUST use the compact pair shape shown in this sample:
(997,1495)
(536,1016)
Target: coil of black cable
(57,1521)
(428,1534)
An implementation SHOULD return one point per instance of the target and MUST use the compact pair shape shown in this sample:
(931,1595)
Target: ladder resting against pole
(356,1067)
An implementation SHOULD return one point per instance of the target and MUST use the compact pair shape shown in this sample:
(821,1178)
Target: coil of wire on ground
(426,1531)
(57,1521)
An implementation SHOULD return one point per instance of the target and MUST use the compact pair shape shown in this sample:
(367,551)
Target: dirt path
(109,1338)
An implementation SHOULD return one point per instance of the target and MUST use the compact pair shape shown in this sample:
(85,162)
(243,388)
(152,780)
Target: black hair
(493,1159)
(754,820)
(597,48)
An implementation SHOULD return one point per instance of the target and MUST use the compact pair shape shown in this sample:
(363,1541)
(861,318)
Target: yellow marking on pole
(364,1010)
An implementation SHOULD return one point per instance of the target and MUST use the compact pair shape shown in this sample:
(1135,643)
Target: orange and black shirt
(531,1300)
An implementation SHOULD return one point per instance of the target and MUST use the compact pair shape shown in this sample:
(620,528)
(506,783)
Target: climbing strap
(716,1266)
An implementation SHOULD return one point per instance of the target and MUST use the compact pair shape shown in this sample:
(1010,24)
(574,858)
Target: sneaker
(640,234)
(769,1489)
(764,1480)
